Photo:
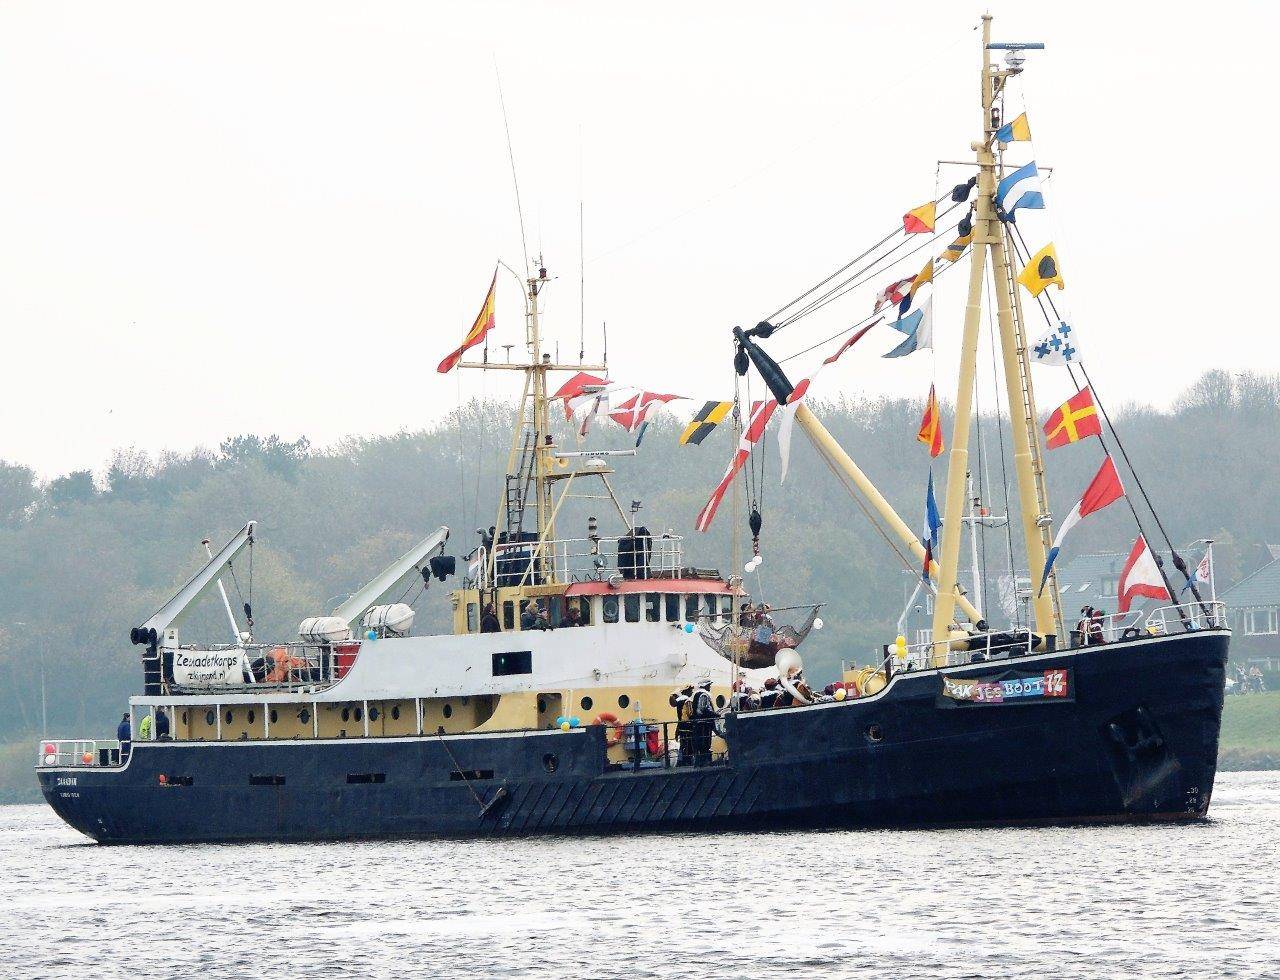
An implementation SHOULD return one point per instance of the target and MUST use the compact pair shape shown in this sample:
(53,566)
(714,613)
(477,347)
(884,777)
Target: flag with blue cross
(1057,347)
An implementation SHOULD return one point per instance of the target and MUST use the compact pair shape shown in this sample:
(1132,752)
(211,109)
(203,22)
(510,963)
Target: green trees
(83,561)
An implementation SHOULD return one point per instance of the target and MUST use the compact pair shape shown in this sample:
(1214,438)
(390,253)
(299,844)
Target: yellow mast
(989,233)
(533,417)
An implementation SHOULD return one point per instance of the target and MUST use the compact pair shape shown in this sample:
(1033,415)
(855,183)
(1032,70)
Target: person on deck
(124,735)
(489,620)
(746,617)
(572,617)
(1080,635)
(144,729)
(769,696)
(1096,634)
(682,701)
(162,726)
(704,716)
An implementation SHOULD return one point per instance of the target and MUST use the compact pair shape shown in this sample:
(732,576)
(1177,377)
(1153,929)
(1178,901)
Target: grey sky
(219,218)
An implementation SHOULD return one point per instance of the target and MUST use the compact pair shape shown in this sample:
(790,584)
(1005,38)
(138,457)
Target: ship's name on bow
(1009,687)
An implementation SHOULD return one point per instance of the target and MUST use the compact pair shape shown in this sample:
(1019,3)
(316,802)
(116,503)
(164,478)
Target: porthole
(358,714)
(209,718)
(448,711)
(542,706)
(550,762)
(230,715)
(373,714)
(586,704)
(274,717)
(719,700)
(304,716)
(251,716)
(875,733)
(623,701)
(395,713)
(346,714)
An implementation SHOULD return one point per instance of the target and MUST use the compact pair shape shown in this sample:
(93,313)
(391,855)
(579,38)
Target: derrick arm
(823,441)
(201,582)
(364,597)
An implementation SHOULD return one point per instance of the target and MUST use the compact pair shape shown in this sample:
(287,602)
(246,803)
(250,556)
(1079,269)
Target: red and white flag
(633,412)
(579,391)
(797,396)
(761,412)
(1141,576)
(893,293)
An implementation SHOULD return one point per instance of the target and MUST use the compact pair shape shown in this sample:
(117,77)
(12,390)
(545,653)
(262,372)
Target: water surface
(1105,902)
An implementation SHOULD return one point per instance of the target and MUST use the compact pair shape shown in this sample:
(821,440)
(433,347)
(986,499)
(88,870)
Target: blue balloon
(575,721)
(688,627)
(372,635)
(560,720)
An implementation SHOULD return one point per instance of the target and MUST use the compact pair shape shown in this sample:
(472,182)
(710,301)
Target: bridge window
(726,609)
(631,603)
(652,607)
(691,608)
(512,662)
(673,607)
(508,615)
(473,612)
(609,605)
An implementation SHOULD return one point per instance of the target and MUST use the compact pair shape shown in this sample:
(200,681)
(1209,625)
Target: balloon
(163,779)
(575,721)
(749,567)
(50,759)
(371,635)
(564,726)
(560,720)
(759,560)
(688,627)
(50,748)
(87,758)
(817,624)
(901,641)
(839,695)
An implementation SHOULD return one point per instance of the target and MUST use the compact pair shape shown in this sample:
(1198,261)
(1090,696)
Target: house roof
(1262,588)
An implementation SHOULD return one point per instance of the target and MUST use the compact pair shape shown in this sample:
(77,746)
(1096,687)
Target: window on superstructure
(609,607)
(652,607)
(473,612)
(513,662)
(672,601)
(707,607)
(726,609)
(1260,622)
(555,610)
(631,607)
(691,608)
(508,615)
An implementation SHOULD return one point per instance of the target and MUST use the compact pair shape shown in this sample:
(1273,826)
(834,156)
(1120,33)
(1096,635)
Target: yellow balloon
(564,726)
(839,695)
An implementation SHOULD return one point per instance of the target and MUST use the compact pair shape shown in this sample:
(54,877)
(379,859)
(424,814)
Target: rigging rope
(1021,249)
(860,276)
(1004,467)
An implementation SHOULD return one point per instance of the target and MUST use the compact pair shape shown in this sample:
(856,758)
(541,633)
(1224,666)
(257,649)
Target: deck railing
(575,560)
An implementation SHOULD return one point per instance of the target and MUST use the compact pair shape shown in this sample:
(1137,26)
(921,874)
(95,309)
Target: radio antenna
(511,153)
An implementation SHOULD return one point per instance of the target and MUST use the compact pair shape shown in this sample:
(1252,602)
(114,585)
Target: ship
(358,728)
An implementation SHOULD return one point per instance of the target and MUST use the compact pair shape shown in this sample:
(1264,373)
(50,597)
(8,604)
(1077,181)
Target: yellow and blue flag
(1018,131)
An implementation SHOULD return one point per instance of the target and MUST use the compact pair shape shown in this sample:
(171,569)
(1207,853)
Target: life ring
(613,734)
(1130,633)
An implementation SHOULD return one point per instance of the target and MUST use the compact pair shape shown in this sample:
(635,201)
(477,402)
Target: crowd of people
(1248,680)
(534,615)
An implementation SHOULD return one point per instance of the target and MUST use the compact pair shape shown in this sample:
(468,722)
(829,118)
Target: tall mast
(989,233)
(985,231)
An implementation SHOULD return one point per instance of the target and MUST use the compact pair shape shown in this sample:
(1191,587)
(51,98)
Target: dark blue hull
(1137,740)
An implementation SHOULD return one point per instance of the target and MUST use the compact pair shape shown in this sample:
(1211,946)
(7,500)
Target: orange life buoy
(614,733)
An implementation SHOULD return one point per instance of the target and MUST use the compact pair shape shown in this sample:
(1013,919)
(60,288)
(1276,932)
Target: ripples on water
(1193,900)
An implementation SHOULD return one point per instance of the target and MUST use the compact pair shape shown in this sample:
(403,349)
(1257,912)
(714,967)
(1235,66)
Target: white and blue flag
(1057,347)
(1021,189)
(918,327)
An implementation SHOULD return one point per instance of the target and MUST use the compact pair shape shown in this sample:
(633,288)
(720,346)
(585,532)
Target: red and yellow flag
(483,324)
(931,426)
(1073,420)
(919,221)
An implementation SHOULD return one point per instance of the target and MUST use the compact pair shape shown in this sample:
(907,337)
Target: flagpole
(984,235)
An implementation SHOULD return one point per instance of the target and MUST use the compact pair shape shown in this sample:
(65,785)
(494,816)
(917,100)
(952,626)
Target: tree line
(85,556)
